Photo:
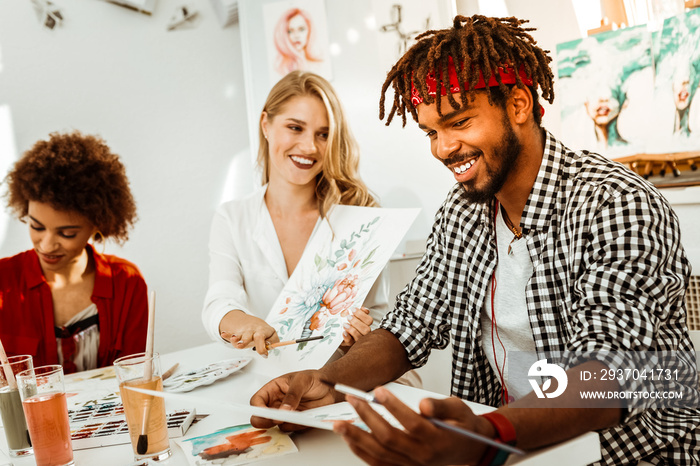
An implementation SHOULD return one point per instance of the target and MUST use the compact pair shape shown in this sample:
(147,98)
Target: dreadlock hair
(475,44)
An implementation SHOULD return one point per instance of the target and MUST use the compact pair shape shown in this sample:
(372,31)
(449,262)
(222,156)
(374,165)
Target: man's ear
(520,103)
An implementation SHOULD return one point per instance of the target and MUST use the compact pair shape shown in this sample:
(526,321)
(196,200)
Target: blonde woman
(309,161)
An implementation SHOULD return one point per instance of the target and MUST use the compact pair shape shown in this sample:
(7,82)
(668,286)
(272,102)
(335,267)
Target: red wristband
(504,428)
(505,433)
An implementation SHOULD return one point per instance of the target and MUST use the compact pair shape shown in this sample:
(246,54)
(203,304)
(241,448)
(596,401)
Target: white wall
(171,104)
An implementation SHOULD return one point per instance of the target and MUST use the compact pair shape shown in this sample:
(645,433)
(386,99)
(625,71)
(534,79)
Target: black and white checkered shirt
(609,275)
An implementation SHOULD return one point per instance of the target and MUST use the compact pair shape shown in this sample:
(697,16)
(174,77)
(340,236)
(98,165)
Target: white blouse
(247,270)
(87,341)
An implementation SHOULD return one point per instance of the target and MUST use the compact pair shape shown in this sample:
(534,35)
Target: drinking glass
(44,401)
(145,414)
(13,420)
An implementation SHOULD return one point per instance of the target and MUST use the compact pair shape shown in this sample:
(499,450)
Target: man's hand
(421,442)
(295,391)
(243,330)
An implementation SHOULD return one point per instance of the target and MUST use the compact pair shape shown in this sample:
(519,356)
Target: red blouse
(26,308)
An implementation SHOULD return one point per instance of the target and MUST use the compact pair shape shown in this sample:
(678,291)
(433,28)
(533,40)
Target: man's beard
(507,154)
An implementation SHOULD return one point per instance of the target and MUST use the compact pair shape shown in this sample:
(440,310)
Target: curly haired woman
(62,301)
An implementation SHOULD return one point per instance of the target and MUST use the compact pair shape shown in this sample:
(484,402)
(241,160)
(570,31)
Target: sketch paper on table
(236,445)
(204,375)
(676,115)
(334,275)
(344,411)
(605,82)
(296,38)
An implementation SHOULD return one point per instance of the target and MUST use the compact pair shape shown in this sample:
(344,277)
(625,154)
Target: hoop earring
(98,236)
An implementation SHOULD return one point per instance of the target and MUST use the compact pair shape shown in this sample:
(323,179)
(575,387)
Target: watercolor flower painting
(338,268)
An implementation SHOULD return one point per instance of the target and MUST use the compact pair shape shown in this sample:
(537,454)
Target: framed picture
(348,43)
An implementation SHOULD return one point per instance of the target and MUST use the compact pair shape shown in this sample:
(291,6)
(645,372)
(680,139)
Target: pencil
(269,345)
(369,397)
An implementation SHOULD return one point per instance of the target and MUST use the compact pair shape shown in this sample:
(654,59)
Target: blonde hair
(339,181)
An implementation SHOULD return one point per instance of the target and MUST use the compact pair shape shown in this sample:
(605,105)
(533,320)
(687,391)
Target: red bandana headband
(507,77)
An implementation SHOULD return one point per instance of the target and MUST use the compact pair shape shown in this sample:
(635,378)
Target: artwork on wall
(399,22)
(142,6)
(334,275)
(49,14)
(604,86)
(676,107)
(184,17)
(631,92)
(296,38)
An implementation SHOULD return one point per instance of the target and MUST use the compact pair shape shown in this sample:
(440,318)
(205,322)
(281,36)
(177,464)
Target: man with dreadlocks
(537,249)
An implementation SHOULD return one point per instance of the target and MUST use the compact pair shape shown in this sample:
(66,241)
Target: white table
(316,447)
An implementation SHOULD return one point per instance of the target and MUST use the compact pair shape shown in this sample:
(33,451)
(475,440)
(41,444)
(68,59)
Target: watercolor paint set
(104,424)
(204,375)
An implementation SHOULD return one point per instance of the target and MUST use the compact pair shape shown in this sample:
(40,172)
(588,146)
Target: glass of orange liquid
(13,419)
(145,414)
(45,408)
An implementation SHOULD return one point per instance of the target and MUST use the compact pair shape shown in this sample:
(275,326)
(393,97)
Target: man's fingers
(383,432)
(262,423)
(417,425)
(367,447)
(449,408)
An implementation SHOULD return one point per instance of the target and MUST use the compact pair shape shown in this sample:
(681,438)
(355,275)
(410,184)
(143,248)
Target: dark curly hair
(77,173)
(474,44)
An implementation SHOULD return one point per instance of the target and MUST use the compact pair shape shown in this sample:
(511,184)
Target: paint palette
(204,375)
(104,424)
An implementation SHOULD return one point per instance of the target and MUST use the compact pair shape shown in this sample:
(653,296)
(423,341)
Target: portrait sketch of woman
(296,37)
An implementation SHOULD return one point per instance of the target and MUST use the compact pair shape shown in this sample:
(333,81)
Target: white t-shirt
(512,320)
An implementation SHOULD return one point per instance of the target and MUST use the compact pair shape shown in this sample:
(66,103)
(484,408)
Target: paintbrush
(170,371)
(11,382)
(269,345)
(369,397)
(142,443)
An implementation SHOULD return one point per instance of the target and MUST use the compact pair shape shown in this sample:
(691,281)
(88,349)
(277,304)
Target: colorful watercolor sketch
(236,445)
(604,86)
(336,271)
(297,37)
(676,115)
